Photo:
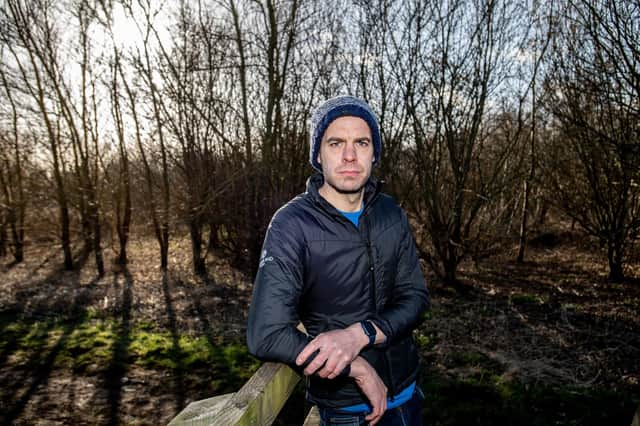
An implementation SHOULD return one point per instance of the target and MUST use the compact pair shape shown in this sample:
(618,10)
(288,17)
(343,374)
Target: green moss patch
(526,299)
(89,346)
(25,343)
(92,345)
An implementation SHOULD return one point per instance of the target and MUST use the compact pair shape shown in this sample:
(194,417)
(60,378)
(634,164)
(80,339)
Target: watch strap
(369,331)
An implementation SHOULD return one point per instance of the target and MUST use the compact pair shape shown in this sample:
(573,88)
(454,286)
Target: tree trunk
(450,269)
(542,213)
(164,249)
(123,223)
(214,240)
(18,254)
(97,239)
(445,263)
(450,264)
(3,238)
(616,274)
(523,223)
(85,219)
(65,236)
(614,255)
(121,259)
(123,228)
(124,187)
(195,230)
(17,237)
(252,242)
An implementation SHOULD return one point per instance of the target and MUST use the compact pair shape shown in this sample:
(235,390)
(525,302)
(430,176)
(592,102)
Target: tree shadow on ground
(39,367)
(32,301)
(117,368)
(178,377)
(218,304)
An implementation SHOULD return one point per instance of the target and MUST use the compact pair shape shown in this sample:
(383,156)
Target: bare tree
(40,59)
(191,79)
(447,87)
(539,43)
(273,67)
(83,129)
(122,190)
(594,93)
(30,25)
(144,64)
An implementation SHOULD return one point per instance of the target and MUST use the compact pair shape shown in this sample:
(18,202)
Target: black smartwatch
(370,332)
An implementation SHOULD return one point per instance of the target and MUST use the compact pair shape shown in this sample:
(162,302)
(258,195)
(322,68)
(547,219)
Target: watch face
(369,329)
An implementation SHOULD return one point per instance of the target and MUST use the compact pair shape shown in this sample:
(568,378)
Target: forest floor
(548,341)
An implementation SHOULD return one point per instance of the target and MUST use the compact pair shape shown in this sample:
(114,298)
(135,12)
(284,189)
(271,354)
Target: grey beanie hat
(341,106)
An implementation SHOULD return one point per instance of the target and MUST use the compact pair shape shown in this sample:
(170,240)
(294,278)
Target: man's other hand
(335,350)
(372,386)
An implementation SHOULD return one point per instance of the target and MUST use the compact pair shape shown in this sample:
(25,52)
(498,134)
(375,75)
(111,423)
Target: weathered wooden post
(636,418)
(258,402)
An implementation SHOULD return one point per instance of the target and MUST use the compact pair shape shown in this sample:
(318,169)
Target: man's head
(346,156)
(334,108)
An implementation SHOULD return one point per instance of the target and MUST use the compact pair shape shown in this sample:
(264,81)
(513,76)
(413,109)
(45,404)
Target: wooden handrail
(258,402)
(636,418)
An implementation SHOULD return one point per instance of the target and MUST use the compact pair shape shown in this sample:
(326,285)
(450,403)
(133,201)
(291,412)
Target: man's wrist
(357,368)
(359,335)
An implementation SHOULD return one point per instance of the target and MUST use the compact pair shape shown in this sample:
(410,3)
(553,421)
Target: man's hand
(336,349)
(372,386)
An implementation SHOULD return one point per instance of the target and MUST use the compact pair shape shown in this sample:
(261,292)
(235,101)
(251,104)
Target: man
(340,258)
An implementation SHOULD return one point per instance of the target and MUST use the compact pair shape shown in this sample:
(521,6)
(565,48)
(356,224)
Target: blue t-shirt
(354,217)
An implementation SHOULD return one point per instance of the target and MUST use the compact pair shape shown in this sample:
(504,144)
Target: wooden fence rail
(636,418)
(258,402)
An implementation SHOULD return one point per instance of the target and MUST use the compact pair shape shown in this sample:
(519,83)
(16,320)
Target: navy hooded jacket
(317,268)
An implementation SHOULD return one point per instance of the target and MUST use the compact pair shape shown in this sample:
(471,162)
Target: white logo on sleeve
(264,258)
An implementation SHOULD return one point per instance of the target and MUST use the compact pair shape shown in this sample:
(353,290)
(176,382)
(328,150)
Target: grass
(91,345)
(526,299)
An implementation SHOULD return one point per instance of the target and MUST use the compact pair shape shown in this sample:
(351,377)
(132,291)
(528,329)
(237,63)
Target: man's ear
(319,160)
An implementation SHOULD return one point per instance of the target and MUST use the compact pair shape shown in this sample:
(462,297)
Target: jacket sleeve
(271,331)
(410,295)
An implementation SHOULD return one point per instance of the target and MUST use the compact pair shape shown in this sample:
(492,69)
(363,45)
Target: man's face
(346,154)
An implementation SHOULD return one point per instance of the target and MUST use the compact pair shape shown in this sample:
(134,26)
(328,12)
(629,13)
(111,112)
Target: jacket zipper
(375,307)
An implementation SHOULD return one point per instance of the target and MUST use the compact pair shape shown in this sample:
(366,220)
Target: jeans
(408,414)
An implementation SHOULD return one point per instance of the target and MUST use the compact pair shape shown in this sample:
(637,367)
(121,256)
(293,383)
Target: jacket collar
(372,189)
